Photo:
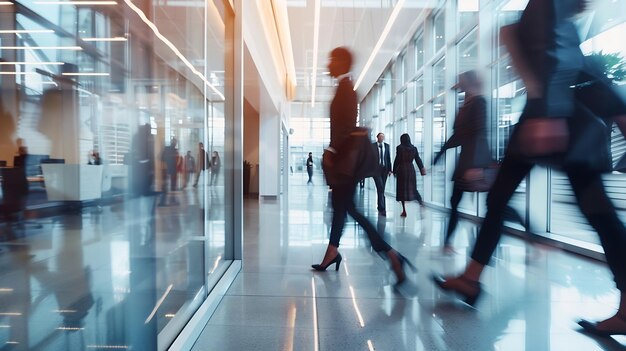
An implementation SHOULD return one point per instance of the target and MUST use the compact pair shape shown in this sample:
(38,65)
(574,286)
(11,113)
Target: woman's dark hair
(405,140)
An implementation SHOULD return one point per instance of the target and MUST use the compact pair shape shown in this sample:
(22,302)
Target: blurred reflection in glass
(108,105)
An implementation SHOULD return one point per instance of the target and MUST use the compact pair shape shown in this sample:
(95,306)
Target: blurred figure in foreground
(343,113)
(544,55)
(406,182)
(470,133)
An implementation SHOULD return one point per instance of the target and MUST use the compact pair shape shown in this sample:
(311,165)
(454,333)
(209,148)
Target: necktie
(382,161)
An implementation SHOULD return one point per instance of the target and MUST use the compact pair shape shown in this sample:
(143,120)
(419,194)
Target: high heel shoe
(336,260)
(403,214)
(468,298)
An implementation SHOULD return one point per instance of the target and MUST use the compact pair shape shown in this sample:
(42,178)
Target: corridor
(533,294)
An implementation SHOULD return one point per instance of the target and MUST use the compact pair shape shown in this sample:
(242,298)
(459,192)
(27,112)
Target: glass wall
(119,131)
(602,37)
(472,41)
(467,59)
(438,107)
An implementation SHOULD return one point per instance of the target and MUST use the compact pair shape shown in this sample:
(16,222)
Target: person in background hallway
(94,158)
(190,168)
(406,179)
(169,158)
(216,164)
(470,133)
(541,32)
(343,113)
(384,163)
(180,171)
(22,155)
(203,162)
(309,167)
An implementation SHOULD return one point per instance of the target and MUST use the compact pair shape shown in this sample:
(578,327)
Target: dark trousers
(380,182)
(343,204)
(457,194)
(590,196)
(309,170)
(169,181)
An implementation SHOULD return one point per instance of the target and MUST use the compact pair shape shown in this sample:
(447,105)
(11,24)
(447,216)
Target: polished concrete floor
(534,294)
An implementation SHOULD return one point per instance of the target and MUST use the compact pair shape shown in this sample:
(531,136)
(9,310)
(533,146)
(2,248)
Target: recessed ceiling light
(106,39)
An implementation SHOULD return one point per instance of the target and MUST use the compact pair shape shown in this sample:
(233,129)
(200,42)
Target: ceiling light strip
(316,35)
(381,40)
(26,31)
(172,47)
(17,73)
(76,2)
(31,63)
(41,48)
(6,3)
(97,74)
(106,39)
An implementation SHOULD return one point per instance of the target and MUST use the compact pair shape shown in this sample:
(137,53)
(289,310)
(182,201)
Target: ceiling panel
(357,24)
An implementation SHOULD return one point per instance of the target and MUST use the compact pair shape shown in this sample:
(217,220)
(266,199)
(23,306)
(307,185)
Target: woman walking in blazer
(406,179)
(343,113)
(471,135)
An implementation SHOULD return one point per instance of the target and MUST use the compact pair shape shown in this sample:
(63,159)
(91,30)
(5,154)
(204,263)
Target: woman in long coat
(406,179)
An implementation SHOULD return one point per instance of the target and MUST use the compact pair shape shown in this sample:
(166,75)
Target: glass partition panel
(438,173)
(439,30)
(419,53)
(467,13)
(467,59)
(122,141)
(602,38)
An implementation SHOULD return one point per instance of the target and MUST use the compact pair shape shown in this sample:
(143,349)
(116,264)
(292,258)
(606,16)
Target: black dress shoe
(469,299)
(592,328)
(337,260)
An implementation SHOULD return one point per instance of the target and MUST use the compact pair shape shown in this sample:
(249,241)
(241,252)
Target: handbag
(355,159)
(478,179)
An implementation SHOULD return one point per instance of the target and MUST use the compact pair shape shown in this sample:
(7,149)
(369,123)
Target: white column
(269,153)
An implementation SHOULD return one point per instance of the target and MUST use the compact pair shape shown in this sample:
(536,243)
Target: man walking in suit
(384,163)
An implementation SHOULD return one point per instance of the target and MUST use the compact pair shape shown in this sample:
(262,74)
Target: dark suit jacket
(386,156)
(470,132)
(343,112)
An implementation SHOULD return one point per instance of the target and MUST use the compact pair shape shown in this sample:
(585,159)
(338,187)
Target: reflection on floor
(93,279)
(534,294)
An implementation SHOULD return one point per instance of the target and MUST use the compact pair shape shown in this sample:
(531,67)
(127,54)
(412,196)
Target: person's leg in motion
(197,177)
(380,191)
(599,210)
(455,199)
(339,199)
(403,214)
(376,240)
(511,174)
